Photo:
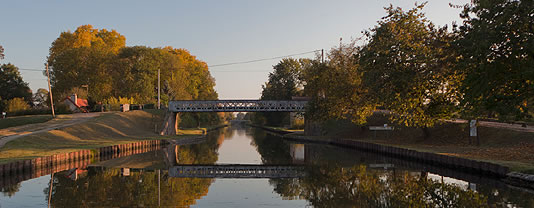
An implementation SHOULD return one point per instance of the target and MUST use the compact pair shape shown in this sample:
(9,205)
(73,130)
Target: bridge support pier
(170,124)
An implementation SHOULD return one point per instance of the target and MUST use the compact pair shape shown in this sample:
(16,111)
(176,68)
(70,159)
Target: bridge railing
(237,105)
(236,171)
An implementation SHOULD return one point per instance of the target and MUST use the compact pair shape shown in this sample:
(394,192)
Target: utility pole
(50,92)
(322,55)
(159,102)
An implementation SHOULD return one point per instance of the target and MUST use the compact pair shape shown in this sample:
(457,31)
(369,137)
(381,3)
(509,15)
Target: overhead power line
(36,70)
(264,59)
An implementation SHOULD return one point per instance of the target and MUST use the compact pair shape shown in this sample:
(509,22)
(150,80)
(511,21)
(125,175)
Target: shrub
(120,100)
(17,104)
(62,108)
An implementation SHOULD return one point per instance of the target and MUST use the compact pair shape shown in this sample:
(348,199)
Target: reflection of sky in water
(449,180)
(238,150)
(30,194)
(242,192)
(245,193)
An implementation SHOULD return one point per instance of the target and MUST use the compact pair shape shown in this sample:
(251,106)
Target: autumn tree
(496,52)
(199,83)
(16,104)
(407,68)
(84,57)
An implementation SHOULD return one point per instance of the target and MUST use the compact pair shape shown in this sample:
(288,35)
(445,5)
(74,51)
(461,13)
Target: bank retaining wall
(456,163)
(15,172)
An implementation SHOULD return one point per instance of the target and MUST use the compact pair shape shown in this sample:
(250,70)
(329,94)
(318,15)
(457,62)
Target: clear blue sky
(215,31)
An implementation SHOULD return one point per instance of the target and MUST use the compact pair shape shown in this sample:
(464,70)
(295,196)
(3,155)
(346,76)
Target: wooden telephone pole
(159,91)
(50,92)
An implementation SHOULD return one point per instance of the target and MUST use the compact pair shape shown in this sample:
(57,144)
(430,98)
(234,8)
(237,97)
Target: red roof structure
(82,102)
(77,103)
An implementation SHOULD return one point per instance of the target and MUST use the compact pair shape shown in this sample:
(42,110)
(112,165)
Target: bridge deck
(237,105)
(236,171)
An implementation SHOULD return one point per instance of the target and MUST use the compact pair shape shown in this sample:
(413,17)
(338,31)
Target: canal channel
(316,176)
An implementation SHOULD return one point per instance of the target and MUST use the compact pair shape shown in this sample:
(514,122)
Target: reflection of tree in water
(10,190)
(507,196)
(357,187)
(109,189)
(228,132)
(203,153)
(272,149)
(330,185)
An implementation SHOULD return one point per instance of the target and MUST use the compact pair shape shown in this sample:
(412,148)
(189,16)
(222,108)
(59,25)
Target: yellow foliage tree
(17,104)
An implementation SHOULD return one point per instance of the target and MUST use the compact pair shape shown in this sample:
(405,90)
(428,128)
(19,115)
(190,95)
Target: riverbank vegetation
(416,76)
(421,73)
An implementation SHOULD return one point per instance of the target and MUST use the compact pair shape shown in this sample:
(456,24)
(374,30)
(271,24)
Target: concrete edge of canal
(432,161)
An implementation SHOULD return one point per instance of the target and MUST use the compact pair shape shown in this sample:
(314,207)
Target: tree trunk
(170,124)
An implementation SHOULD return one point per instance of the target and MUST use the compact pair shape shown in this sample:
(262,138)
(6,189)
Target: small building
(76,104)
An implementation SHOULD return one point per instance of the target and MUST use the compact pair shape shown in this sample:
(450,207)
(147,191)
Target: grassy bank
(108,129)
(506,147)
(23,120)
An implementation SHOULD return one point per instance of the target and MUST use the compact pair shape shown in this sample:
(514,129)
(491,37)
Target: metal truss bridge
(237,105)
(236,171)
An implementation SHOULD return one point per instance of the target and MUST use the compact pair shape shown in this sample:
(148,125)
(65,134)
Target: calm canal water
(334,177)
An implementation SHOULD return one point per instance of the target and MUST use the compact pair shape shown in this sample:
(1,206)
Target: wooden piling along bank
(15,172)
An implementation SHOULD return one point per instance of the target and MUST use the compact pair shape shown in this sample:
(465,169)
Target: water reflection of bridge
(237,171)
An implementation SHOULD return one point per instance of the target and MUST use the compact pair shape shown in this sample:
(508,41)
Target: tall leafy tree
(12,84)
(336,87)
(136,73)
(84,57)
(496,48)
(200,83)
(407,68)
(284,83)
